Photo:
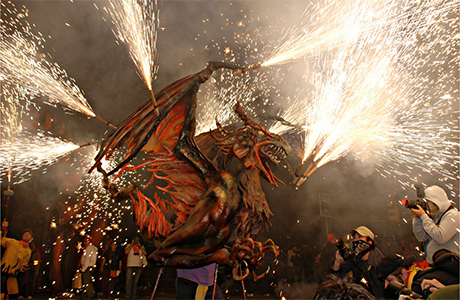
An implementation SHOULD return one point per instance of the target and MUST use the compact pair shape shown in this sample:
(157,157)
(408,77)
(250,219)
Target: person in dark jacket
(361,258)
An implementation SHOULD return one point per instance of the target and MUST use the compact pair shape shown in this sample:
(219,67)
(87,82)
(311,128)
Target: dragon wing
(168,140)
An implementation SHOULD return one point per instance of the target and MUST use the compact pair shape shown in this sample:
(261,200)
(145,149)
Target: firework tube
(105,122)
(297,173)
(310,167)
(312,171)
(88,144)
(299,169)
(154,102)
(308,172)
(241,71)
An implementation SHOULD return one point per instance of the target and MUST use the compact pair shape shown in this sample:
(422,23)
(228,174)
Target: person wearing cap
(363,263)
(406,271)
(15,259)
(440,228)
(88,267)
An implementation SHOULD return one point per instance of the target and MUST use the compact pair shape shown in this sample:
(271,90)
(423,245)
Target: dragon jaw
(272,149)
(256,147)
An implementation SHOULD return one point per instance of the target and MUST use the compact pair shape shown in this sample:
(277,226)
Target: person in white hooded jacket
(441,228)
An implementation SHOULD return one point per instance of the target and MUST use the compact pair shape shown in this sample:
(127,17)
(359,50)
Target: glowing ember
(92,202)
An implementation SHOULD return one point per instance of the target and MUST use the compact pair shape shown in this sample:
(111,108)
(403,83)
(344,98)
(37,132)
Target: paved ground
(159,296)
(167,291)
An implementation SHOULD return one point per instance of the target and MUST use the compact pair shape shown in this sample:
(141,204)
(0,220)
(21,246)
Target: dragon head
(254,145)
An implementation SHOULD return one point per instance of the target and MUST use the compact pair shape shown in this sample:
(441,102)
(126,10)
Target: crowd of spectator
(424,265)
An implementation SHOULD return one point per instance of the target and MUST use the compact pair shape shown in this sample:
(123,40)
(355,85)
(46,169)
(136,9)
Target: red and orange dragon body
(205,213)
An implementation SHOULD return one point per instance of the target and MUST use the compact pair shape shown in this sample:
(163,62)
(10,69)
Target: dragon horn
(242,114)
(221,128)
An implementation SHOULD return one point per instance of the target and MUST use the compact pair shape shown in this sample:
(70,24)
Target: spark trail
(22,64)
(376,98)
(136,23)
(26,152)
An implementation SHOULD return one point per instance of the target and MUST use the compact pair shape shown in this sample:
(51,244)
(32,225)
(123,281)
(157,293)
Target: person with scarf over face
(15,259)
(440,228)
(362,259)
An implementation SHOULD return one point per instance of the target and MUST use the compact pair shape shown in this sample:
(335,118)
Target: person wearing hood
(440,228)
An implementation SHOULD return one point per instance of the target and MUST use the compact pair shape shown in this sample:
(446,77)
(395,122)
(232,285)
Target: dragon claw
(248,252)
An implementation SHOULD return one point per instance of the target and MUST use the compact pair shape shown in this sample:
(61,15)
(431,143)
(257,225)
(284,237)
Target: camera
(420,195)
(399,289)
(345,251)
(360,248)
(413,203)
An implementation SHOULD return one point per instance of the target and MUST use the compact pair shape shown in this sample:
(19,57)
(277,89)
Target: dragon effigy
(205,212)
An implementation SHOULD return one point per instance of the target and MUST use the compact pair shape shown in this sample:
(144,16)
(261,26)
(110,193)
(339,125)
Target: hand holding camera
(360,248)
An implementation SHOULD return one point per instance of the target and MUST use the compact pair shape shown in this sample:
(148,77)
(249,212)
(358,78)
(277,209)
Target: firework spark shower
(364,60)
(21,63)
(364,90)
(28,152)
(137,24)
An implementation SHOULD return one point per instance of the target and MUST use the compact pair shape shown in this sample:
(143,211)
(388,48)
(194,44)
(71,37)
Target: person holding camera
(87,267)
(362,259)
(439,229)
(135,252)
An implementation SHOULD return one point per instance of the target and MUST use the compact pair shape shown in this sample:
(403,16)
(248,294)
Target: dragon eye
(260,133)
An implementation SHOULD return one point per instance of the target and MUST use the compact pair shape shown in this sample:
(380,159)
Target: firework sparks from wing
(26,74)
(22,64)
(26,152)
(136,23)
